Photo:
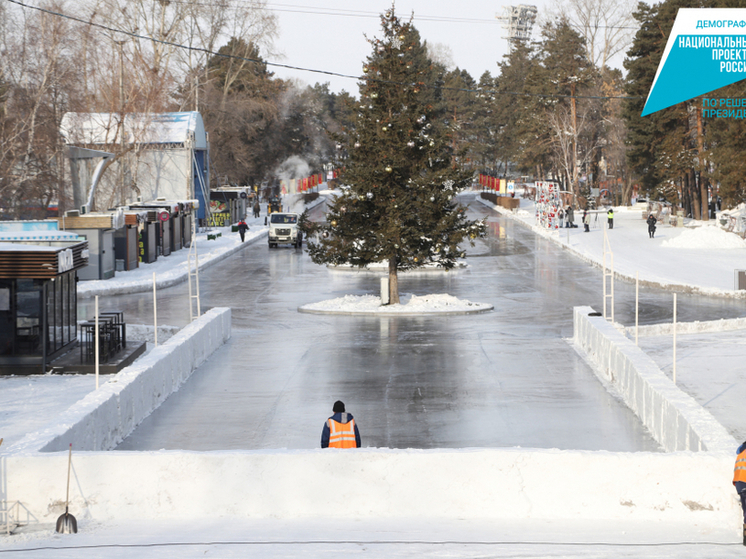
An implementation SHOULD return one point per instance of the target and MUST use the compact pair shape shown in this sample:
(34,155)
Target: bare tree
(573,142)
(606,25)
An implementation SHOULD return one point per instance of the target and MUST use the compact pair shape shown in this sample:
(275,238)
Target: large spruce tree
(400,173)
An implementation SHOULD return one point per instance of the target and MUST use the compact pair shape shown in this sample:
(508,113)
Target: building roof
(100,129)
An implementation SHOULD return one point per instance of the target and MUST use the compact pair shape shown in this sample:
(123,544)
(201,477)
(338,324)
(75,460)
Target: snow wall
(674,418)
(514,483)
(106,416)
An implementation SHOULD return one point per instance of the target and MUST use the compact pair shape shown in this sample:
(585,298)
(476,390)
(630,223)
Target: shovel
(66,523)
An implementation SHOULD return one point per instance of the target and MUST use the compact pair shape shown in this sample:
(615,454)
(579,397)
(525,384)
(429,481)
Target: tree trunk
(686,202)
(393,282)
(703,182)
(694,195)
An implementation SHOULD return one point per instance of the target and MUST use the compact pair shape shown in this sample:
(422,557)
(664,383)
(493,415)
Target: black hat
(339,407)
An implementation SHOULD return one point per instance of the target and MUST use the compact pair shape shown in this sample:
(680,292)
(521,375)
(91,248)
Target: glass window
(7,327)
(28,316)
(50,317)
(65,280)
(58,317)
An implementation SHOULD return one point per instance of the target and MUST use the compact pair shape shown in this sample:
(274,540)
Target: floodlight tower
(518,21)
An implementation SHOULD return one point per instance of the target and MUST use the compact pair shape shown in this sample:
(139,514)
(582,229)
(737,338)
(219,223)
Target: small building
(229,204)
(38,299)
(99,230)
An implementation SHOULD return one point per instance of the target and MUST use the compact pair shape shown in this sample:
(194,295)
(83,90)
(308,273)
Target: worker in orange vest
(340,430)
(739,480)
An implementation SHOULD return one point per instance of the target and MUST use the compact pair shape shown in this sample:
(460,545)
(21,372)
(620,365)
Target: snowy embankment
(674,418)
(411,305)
(379,483)
(174,268)
(103,418)
(697,258)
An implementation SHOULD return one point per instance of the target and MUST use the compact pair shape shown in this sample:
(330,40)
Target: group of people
(568,216)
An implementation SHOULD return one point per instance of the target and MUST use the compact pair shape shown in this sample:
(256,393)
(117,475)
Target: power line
(315,71)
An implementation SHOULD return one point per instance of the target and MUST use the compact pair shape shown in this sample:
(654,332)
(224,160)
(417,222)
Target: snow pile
(383,266)
(705,237)
(371,304)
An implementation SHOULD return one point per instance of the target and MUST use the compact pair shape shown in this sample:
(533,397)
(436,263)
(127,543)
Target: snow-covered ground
(709,368)
(699,257)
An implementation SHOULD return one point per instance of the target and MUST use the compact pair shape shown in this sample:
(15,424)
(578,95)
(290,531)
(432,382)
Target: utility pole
(121,119)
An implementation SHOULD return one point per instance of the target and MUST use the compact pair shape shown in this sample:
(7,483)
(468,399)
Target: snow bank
(696,327)
(440,303)
(173,269)
(705,237)
(362,484)
(146,333)
(103,418)
(674,418)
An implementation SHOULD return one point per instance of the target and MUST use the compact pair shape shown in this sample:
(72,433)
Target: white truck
(283,230)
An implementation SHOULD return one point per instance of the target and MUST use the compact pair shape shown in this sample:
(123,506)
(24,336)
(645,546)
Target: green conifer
(400,174)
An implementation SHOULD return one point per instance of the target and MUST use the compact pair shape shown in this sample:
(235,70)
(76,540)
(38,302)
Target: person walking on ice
(242,228)
(586,221)
(651,225)
(340,430)
(739,480)
(610,217)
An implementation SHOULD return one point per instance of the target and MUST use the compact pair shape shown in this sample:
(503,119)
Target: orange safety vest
(342,435)
(739,472)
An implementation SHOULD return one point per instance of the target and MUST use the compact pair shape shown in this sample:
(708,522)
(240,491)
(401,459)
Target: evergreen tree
(485,148)
(400,173)
(516,124)
(565,72)
(664,148)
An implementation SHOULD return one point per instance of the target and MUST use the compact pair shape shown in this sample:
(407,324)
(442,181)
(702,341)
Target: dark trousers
(242,233)
(611,224)
(742,494)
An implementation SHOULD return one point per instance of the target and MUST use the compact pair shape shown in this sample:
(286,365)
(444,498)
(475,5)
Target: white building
(115,161)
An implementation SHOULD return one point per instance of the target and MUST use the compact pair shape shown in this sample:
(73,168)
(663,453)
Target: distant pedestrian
(561,216)
(739,480)
(651,225)
(570,217)
(256,208)
(242,228)
(586,221)
(610,218)
(340,430)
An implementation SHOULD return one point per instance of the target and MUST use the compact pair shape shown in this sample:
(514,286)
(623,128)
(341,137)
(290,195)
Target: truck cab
(283,229)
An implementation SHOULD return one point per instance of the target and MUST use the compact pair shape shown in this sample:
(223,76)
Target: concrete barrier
(106,416)
(674,418)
